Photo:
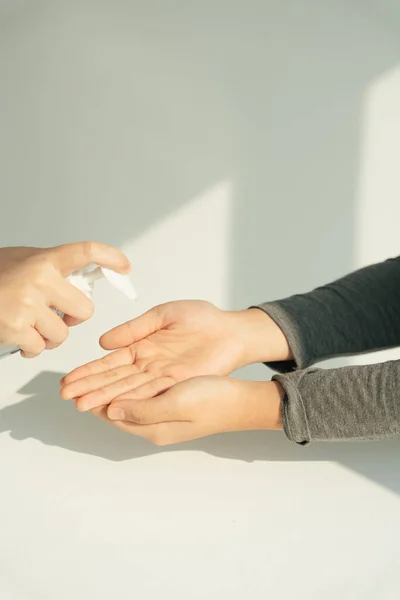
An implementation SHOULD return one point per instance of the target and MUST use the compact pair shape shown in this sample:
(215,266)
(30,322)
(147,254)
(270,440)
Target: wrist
(262,405)
(261,338)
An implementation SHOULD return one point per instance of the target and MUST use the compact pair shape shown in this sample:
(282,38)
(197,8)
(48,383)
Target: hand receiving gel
(84,280)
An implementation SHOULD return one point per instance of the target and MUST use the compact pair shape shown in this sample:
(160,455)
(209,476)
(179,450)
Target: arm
(351,403)
(358,313)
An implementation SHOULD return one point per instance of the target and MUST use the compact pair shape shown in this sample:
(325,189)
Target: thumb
(143,407)
(133,331)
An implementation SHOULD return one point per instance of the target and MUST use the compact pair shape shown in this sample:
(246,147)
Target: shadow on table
(45,417)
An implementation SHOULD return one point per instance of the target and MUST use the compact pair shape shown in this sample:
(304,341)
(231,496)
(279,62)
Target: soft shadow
(148,107)
(45,417)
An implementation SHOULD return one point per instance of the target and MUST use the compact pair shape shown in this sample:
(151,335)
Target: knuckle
(17,323)
(36,350)
(110,375)
(155,368)
(27,299)
(138,417)
(88,250)
(64,333)
(40,280)
(58,338)
(133,352)
(108,360)
(87,310)
(141,365)
(42,265)
(41,346)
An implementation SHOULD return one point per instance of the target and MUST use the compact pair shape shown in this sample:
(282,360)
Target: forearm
(356,314)
(351,403)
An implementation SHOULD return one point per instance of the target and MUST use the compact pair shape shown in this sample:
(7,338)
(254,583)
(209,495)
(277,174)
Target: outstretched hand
(171,343)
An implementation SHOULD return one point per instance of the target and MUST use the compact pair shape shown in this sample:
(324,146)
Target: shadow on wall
(46,418)
(140,106)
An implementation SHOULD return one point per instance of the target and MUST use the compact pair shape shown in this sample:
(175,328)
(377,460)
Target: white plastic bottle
(84,280)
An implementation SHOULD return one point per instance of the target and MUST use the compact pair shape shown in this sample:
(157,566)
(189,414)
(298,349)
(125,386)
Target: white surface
(227,147)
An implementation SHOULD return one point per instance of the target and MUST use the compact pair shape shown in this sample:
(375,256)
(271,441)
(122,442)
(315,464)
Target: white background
(238,151)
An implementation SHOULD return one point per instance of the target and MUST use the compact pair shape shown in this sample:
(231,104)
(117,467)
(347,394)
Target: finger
(32,344)
(89,384)
(148,410)
(51,328)
(161,434)
(106,394)
(132,331)
(111,361)
(149,389)
(71,322)
(100,412)
(71,257)
(66,298)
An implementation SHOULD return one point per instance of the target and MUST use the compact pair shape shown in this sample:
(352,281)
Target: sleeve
(350,403)
(356,314)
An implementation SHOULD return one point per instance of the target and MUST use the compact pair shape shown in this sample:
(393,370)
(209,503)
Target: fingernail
(116,414)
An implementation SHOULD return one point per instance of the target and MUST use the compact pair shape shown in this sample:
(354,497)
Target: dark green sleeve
(356,314)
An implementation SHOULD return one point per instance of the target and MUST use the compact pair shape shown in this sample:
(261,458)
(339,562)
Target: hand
(32,280)
(174,342)
(196,408)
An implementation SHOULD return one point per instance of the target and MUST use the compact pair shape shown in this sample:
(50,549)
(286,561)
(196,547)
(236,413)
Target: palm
(174,342)
(180,354)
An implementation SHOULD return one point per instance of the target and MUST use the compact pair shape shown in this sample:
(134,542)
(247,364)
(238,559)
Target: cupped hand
(196,408)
